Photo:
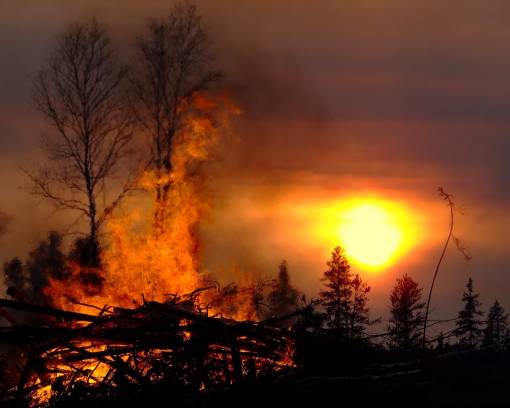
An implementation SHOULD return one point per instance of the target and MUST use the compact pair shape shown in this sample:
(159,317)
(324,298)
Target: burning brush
(174,344)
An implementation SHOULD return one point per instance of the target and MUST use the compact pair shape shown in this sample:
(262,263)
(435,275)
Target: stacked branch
(156,343)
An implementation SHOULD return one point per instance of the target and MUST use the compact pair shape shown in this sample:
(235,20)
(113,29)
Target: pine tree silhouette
(344,298)
(283,298)
(469,326)
(496,330)
(406,314)
(359,318)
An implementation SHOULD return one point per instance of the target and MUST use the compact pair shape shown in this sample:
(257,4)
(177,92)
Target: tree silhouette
(344,298)
(14,275)
(359,317)
(406,314)
(283,298)
(496,330)
(469,326)
(172,65)
(310,319)
(80,93)
(45,262)
(336,297)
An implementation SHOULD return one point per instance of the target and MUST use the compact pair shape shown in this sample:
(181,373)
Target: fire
(150,344)
(148,258)
(239,301)
(150,263)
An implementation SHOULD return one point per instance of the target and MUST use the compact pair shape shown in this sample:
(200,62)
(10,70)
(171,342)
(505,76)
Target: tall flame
(140,259)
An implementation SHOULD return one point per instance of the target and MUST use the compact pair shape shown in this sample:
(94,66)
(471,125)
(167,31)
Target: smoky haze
(338,98)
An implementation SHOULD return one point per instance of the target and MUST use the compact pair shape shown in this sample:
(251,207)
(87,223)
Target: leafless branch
(81,94)
(173,63)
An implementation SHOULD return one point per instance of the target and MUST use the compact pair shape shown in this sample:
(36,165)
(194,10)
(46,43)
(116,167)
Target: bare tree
(81,95)
(172,66)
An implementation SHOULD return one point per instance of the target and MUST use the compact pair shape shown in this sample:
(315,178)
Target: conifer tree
(344,298)
(496,330)
(469,326)
(359,317)
(284,297)
(406,314)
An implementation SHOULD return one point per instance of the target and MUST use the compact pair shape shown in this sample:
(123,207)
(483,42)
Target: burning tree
(173,68)
(154,237)
(151,240)
(80,93)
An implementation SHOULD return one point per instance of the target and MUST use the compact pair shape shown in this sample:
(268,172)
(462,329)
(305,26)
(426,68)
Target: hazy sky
(339,98)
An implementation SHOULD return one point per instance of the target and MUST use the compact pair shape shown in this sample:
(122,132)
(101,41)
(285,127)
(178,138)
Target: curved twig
(446,197)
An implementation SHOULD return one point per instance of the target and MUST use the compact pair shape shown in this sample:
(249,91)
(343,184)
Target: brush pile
(118,351)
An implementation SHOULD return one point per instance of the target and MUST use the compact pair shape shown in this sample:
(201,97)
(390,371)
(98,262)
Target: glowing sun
(373,233)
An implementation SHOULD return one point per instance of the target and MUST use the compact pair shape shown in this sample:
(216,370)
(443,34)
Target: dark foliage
(47,261)
(406,312)
(28,281)
(14,275)
(283,299)
(496,332)
(469,325)
(344,298)
(86,252)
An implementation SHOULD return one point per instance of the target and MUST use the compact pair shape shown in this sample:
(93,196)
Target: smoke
(5,220)
(337,97)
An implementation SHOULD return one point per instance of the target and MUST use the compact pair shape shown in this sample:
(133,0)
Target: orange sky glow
(344,105)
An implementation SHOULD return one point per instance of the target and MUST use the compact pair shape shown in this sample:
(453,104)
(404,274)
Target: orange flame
(140,260)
